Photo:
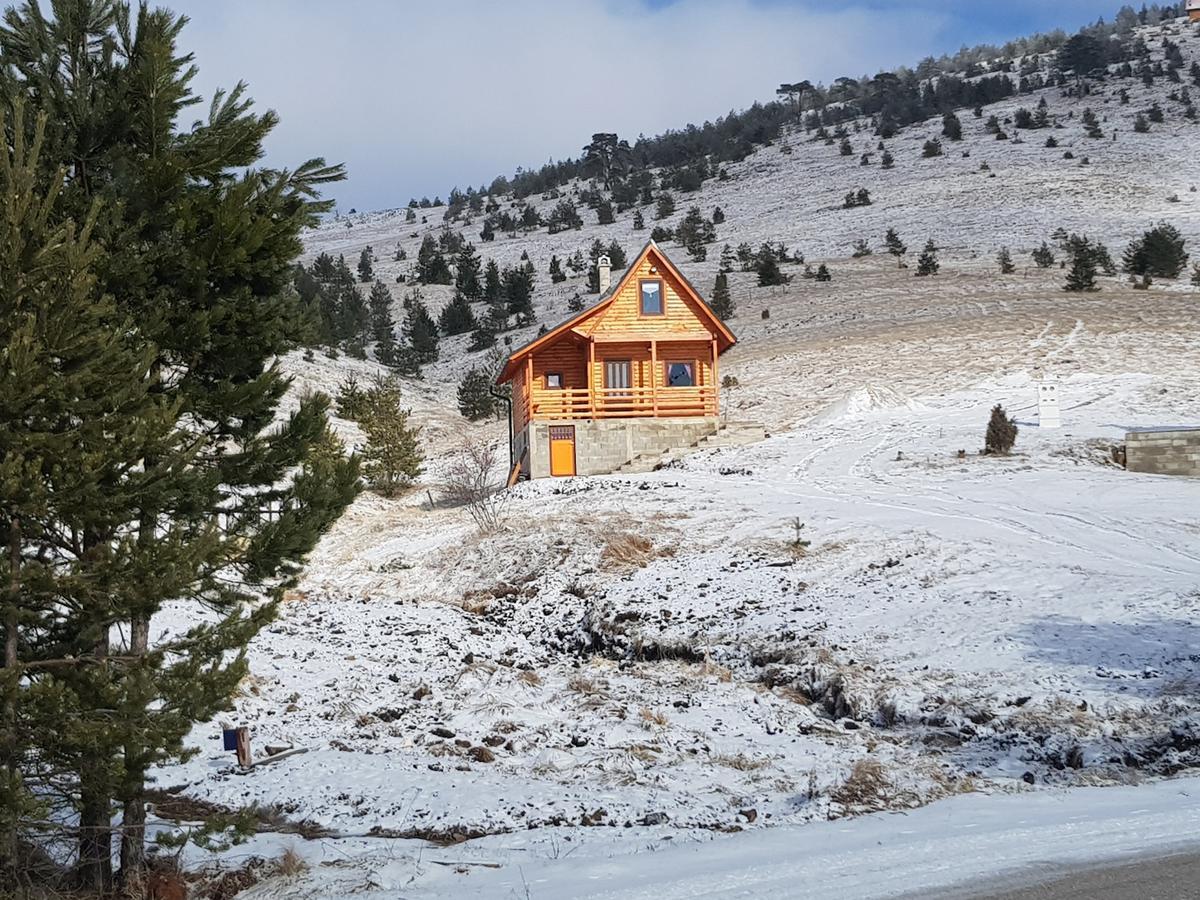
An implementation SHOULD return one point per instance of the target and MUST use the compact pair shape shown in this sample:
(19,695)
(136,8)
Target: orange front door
(562,449)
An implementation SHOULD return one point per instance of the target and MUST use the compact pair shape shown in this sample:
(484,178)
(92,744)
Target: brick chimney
(604,270)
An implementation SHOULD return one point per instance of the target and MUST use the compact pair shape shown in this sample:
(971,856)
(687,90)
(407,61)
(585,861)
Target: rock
(656,818)
(750,815)
(462,742)
(422,692)
(481,754)
(441,732)
(1029,778)
(494,740)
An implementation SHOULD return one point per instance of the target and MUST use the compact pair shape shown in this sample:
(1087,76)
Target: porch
(671,376)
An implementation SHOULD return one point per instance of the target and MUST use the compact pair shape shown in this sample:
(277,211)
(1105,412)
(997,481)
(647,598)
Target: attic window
(650,291)
(554,381)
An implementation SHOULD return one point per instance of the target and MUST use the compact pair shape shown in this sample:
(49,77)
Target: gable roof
(725,336)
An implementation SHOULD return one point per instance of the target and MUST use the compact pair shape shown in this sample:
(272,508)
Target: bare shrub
(652,717)
(475,479)
(290,864)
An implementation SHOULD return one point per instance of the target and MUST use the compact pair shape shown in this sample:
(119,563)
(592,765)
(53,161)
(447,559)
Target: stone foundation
(1163,452)
(604,445)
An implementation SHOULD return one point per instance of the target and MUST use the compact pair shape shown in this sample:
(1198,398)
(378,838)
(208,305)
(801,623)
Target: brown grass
(739,761)
(625,550)
(652,717)
(587,686)
(530,677)
(866,788)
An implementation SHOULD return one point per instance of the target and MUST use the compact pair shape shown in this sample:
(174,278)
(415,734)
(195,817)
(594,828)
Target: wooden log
(243,747)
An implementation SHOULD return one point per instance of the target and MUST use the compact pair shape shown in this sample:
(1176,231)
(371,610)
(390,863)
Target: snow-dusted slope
(959,623)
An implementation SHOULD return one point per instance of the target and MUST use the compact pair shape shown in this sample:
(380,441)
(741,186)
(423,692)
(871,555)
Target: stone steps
(731,434)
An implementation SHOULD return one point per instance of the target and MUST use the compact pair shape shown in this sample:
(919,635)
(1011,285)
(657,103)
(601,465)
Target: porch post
(654,376)
(716,385)
(591,375)
(529,385)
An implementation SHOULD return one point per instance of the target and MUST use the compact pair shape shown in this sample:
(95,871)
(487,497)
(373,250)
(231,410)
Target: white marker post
(1048,412)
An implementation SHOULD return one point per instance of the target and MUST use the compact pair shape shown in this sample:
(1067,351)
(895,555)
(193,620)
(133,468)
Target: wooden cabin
(1193,10)
(636,371)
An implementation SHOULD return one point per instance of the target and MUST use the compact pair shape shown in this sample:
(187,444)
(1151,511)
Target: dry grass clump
(739,761)
(290,864)
(530,677)
(625,550)
(652,717)
(866,789)
(590,687)
(710,669)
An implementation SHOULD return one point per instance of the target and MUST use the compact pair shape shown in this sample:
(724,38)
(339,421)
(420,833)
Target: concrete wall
(604,445)
(1166,452)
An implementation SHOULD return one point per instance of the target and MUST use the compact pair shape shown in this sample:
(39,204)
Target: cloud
(417,97)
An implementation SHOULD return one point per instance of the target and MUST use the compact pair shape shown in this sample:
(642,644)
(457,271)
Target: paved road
(1169,878)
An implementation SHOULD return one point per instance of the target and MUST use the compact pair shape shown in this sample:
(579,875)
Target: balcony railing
(622,403)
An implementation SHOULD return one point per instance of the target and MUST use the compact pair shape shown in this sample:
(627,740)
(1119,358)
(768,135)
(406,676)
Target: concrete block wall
(1164,452)
(604,445)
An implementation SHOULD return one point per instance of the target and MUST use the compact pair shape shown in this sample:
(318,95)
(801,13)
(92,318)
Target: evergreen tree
(895,246)
(466,276)
(823,273)
(616,255)
(1159,252)
(557,275)
(1196,274)
(1001,432)
(432,267)
(383,327)
(1082,276)
(639,221)
(366,272)
(767,267)
(475,400)
(727,259)
(721,301)
(932,148)
(1005,261)
(492,289)
(392,455)
(718,216)
(199,251)
(575,303)
(457,317)
(927,262)
(846,148)
(664,206)
(861,248)
(951,127)
(518,293)
(420,331)
(604,213)
(1043,256)
(887,161)
(483,337)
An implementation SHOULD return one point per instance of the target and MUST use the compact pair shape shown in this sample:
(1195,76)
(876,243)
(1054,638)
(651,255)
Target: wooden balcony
(624,403)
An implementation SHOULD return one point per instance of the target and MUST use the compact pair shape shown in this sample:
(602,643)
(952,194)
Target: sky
(418,97)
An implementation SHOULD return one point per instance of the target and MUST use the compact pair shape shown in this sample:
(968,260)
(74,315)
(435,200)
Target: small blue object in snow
(230,737)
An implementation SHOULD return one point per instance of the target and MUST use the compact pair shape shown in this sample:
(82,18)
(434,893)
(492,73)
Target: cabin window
(554,381)
(651,294)
(681,374)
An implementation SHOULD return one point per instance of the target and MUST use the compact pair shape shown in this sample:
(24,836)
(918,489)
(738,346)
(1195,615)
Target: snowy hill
(656,653)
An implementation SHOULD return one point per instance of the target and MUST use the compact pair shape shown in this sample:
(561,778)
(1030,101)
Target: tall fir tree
(467,271)
(366,270)
(1082,275)
(456,316)
(894,245)
(1005,261)
(200,252)
(420,331)
(721,300)
(383,326)
(927,262)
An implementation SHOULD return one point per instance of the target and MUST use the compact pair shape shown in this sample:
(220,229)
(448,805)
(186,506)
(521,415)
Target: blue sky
(418,97)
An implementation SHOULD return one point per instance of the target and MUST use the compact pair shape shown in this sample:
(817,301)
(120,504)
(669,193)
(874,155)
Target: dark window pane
(680,375)
(652,300)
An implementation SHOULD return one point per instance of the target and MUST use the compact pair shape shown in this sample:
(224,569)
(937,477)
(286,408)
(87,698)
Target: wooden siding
(566,357)
(624,316)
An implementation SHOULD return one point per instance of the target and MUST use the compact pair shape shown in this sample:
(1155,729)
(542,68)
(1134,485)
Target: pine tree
(557,275)
(466,275)
(392,455)
(932,148)
(420,331)
(616,255)
(895,246)
(639,221)
(927,262)
(727,259)
(457,317)
(475,400)
(1082,276)
(1043,256)
(200,248)
(768,270)
(887,161)
(951,127)
(1001,432)
(383,327)
(664,206)
(1196,274)
(1159,252)
(366,272)
(431,264)
(604,213)
(861,249)
(1005,261)
(482,337)
(518,293)
(823,273)
(721,301)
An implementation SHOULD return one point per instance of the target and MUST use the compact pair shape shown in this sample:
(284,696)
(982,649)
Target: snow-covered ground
(634,667)
(966,842)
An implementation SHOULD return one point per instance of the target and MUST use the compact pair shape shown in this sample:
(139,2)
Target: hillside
(959,624)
